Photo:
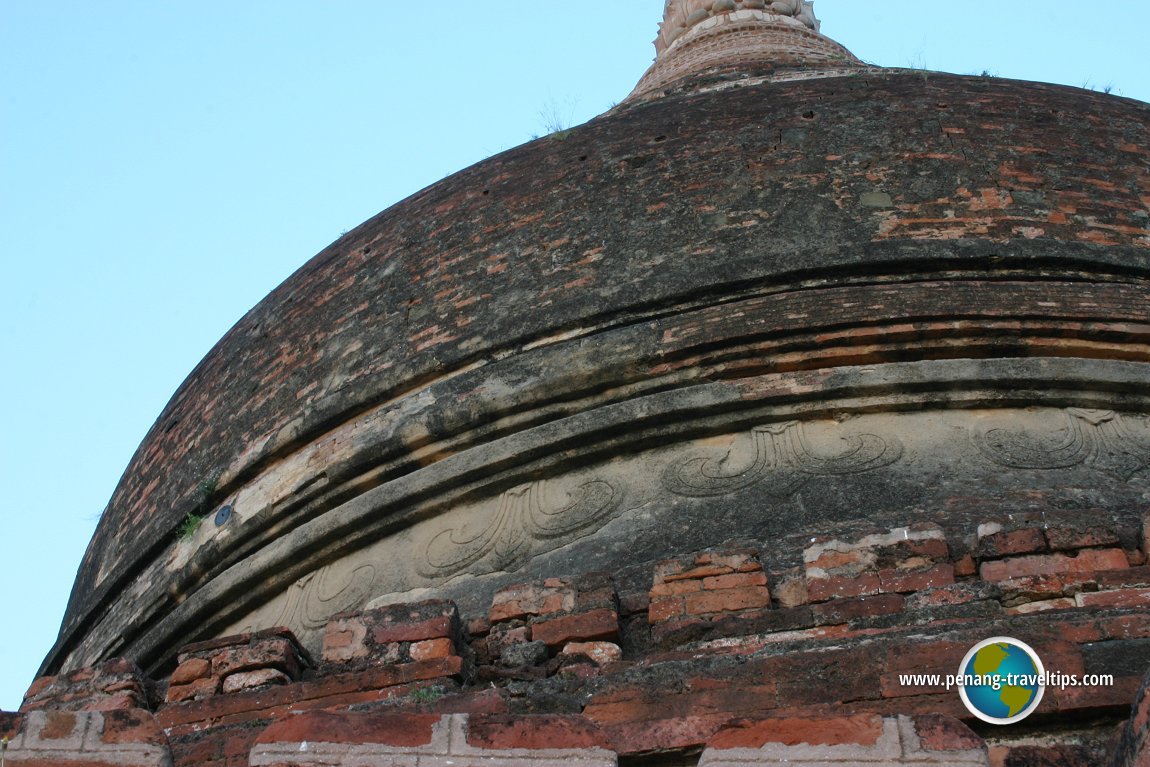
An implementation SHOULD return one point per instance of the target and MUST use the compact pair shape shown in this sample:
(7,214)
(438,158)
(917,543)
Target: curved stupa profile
(785,358)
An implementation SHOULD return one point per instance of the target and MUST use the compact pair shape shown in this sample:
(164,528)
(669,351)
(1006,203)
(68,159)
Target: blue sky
(165,164)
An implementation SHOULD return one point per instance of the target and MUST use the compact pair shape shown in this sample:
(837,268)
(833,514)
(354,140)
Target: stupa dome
(776,294)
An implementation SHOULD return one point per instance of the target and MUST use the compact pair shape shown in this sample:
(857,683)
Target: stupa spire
(738,37)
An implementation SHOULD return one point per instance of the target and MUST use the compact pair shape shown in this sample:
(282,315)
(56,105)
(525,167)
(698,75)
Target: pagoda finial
(738,36)
(681,15)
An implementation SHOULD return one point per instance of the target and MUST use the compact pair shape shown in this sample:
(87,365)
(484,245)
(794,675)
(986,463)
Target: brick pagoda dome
(681,432)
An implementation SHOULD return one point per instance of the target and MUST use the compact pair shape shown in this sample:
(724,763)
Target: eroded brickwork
(59,738)
(862,739)
(727,661)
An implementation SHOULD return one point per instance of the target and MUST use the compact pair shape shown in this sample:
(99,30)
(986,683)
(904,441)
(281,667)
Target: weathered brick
(553,595)
(59,725)
(844,610)
(834,559)
(113,684)
(594,625)
(129,738)
(478,626)
(505,634)
(412,622)
(367,684)
(393,729)
(727,600)
(273,649)
(634,602)
(790,588)
(666,608)
(859,739)
(822,589)
(11,724)
(554,731)
(938,732)
(523,655)
(639,718)
(1087,561)
(430,649)
(900,560)
(1124,578)
(1124,626)
(953,594)
(197,688)
(191,670)
(468,741)
(697,572)
(735,581)
(707,564)
(259,654)
(859,729)
(708,583)
(431,628)
(916,580)
(594,590)
(677,588)
(1131,744)
(38,686)
(249,680)
(965,566)
(206,648)
(1069,538)
(344,639)
(1034,588)
(1001,543)
(1132,598)
(1060,603)
(203,748)
(601,653)
(1058,755)
(922,657)
(395,633)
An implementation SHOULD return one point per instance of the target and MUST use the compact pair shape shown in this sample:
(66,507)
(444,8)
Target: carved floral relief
(1099,439)
(521,521)
(780,456)
(314,598)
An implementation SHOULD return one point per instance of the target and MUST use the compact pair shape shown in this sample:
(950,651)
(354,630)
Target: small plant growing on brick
(426,695)
(187,529)
(556,120)
(204,494)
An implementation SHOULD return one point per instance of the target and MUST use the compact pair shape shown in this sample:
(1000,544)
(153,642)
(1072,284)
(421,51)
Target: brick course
(56,738)
(237,663)
(718,680)
(524,741)
(861,739)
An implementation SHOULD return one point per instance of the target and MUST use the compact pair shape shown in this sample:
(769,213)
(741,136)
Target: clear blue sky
(165,164)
